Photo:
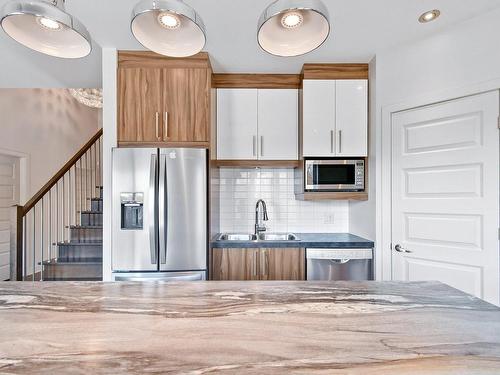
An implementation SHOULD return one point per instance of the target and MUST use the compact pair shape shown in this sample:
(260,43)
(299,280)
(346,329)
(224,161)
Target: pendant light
(293,27)
(168,27)
(46,27)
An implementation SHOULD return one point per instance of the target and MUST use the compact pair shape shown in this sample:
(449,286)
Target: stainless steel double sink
(260,237)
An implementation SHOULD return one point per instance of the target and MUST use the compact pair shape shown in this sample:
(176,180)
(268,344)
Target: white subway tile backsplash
(240,189)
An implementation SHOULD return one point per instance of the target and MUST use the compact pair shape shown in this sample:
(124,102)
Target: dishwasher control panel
(339,254)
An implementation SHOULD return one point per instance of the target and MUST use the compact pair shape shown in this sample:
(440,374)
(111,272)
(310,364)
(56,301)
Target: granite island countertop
(246,328)
(309,240)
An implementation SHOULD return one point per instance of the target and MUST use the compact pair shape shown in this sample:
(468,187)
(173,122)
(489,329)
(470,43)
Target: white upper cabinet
(237,124)
(277,124)
(352,118)
(335,118)
(257,124)
(318,116)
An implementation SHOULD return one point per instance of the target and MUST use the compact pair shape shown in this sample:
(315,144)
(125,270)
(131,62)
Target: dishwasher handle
(339,261)
(339,256)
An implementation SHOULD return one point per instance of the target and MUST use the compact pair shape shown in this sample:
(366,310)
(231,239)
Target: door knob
(401,249)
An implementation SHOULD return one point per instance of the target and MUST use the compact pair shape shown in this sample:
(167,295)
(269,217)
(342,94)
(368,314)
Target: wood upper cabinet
(335,118)
(139,100)
(259,264)
(257,124)
(185,105)
(163,100)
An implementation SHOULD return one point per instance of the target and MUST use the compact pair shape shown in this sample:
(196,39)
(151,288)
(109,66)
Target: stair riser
(85,235)
(91,219)
(68,253)
(96,205)
(68,272)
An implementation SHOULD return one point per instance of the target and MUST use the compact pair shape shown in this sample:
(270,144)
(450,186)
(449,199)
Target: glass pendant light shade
(44,26)
(168,27)
(293,27)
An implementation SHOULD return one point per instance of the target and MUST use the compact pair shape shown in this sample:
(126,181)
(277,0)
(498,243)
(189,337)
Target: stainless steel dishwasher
(339,264)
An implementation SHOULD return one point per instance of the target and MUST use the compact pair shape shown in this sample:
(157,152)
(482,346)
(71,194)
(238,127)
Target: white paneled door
(9,196)
(445,194)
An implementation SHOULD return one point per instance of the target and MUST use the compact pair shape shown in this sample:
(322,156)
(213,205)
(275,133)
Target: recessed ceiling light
(293,27)
(33,23)
(429,16)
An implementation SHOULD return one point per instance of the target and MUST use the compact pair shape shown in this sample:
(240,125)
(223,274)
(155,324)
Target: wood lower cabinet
(282,264)
(258,264)
(235,264)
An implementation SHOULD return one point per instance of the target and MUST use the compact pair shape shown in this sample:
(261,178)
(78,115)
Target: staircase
(80,258)
(59,230)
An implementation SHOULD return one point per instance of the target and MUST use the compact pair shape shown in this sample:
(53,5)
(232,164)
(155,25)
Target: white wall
(362,213)
(461,60)
(25,68)
(48,125)
(463,55)
(109,88)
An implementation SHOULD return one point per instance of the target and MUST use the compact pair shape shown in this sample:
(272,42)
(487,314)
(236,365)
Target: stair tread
(74,243)
(85,226)
(56,263)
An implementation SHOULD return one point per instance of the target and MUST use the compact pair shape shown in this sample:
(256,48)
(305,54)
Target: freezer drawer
(339,264)
(159,276)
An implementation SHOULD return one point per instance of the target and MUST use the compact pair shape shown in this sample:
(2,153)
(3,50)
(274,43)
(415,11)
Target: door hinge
(498,122)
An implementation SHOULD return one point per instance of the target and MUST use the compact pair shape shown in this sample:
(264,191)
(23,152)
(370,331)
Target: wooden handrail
(60,173)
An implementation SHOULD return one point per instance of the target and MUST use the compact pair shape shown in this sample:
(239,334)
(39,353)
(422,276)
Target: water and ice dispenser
(132,211)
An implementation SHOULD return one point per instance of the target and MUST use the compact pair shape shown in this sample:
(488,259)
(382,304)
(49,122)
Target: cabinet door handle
(263,260)
(331,141)
(157,124)
(254,145)
(254,263)
(165,127)
(340,141)
(261,145)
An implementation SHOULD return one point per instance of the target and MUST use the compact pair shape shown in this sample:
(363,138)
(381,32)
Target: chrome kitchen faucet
(260,227)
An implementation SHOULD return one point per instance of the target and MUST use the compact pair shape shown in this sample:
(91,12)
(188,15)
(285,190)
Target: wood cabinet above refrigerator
(163,101)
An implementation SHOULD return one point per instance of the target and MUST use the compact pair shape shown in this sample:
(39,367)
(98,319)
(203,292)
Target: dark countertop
(246,328)
(309,240)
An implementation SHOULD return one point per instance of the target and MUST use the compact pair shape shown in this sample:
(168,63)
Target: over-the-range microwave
(334,175)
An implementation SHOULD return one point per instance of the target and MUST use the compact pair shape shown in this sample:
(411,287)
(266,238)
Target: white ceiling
(360,28)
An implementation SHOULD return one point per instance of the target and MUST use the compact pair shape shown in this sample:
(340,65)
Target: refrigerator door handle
(152,223)
(162,208)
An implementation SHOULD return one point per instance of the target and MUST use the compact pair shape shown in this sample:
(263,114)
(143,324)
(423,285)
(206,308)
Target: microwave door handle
(152,204)
(162,209)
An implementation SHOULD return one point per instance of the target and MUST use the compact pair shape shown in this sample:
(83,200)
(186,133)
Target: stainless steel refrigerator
(159,214)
